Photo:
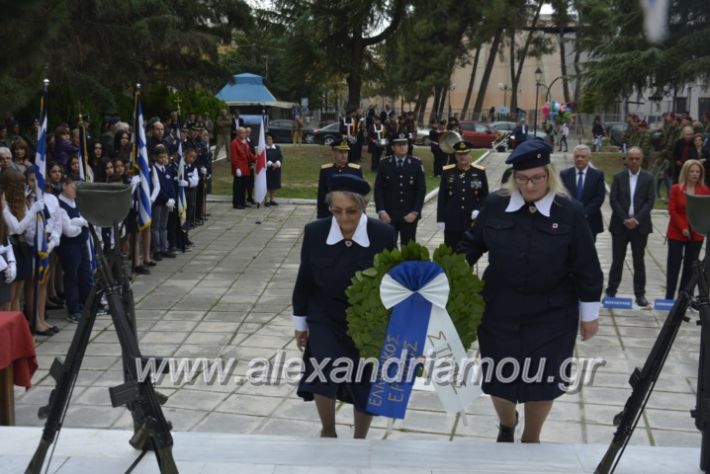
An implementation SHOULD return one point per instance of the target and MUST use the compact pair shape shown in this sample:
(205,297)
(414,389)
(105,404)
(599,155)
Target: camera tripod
(644,380)
(151,430)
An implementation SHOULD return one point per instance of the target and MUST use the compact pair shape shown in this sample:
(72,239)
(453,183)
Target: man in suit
(400,187)
(520,132)
(631,199)
(586,185)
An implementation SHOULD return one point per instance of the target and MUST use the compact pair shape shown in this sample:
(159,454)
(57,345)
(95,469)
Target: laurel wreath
(367,317)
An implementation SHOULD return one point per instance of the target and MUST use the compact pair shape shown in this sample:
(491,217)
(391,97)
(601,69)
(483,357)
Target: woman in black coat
(274,160)
(543,286)
(334,248)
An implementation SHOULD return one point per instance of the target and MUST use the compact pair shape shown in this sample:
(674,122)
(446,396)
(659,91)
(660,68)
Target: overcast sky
(266,4)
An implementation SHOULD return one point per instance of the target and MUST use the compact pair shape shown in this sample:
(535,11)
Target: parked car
(481,135)
(512,143)
(327,134)
(504,127)
(422,137)
(281,130)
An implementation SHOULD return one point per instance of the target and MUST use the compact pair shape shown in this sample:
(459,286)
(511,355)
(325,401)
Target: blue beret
(530,154)
(348,182)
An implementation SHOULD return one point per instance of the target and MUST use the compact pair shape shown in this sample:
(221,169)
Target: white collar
(359,236)
(583,170)
(543,205)
(67,201)
(634,174)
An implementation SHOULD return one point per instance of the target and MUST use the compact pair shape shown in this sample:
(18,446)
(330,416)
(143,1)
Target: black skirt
(539,345)
(327,341)
(24,259)
(273,178)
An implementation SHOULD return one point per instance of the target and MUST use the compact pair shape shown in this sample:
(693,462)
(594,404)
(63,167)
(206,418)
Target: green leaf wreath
(368,318)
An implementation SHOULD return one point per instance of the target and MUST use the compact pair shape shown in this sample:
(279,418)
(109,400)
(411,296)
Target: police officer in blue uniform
(400,188)
(543,284)
(333,250)
(462,191)
(339,166)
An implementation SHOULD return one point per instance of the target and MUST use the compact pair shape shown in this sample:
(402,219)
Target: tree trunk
(435,105)
(471,81)
(354,77)
(421,105)
(442,102)
(513,78)
(563,64)
(487,72)
(523,56)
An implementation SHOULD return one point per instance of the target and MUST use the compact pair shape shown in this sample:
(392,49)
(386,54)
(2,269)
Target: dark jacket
(460,193)
(592,195)
(400,191)
(326,171)
(620,201)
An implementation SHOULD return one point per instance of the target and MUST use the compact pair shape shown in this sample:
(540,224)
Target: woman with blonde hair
(543,286)
(683,242)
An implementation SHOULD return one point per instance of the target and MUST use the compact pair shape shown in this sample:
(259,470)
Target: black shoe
(168,254)
(507,434)
(239,207)
(157,257)
(641,301)
(151,263)
(199,222)
(56,301)
(48,332)
(267,204)
(141,270)
(251,201)
(50,305)
(189,243)
(274,203)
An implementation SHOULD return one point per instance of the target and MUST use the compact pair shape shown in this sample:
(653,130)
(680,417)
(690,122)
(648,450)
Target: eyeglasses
(524,180)
(336,211)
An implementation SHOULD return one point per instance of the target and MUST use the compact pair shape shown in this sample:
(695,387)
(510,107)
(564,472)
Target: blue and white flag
(182,200)
(419,326)
(142,165)
(41,242)
(41,155)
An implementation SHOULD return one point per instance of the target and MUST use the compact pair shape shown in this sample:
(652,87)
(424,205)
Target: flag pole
(42,167)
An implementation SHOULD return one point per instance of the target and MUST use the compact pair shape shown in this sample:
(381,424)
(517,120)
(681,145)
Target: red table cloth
(17,347)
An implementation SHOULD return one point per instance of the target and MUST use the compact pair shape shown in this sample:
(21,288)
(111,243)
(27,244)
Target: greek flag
(85,172)
(41,239)
(41,155)
(182,201)
(142,165)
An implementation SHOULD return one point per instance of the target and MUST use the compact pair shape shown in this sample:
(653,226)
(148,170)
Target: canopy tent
(249,90)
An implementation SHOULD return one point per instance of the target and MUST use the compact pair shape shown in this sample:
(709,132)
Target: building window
(680,105)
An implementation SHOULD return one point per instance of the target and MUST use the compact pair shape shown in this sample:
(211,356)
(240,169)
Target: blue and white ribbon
(419,325)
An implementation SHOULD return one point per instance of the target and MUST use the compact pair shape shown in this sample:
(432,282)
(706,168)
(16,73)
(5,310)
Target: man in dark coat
(463,189)
(586,185)
(521,132)
(400,188)
(340,165)
(631,199)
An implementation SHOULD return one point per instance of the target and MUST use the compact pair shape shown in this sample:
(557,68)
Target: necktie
(580,184)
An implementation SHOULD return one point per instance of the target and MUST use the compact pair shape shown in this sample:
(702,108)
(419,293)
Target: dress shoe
(151,263)
(56,300)
(168,254)
(506,434)
(274,203)
(239,207)
(48,332)
(141,270)
(267,204)
(50,305)
(157,257)
(251,201)
(641,300)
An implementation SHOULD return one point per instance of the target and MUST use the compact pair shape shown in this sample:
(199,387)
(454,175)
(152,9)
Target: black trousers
(199,197)
(685,252)
(440,160)
(452,238)
(619,243)
(405,231)
(376,155)
(191,198)
(239,191)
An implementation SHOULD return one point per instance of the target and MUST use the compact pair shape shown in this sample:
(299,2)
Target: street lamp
(538,80)
(505,88)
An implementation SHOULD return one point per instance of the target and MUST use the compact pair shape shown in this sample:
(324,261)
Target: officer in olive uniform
(463,189)
(399,190)
(340,165)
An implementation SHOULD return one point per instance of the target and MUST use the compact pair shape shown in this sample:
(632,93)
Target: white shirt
(68,229)
(335,235)
(588,310)
(633,181)
(156,186)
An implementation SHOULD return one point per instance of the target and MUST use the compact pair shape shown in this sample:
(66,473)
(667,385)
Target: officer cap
(530,154)
(401,138)
(341,145)
(463,147)
(348,182)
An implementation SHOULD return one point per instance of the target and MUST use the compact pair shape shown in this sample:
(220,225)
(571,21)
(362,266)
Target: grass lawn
(301,166)
(612,163)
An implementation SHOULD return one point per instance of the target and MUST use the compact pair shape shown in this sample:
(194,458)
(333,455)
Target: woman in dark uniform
(334,248)
(543,284)
(273,169)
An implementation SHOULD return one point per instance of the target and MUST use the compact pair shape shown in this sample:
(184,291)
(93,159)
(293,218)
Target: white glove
(182,183)
(239,173)
(441,226)
(37,206)
(203,170)
(170,204)
(78,222)
(3,264)
(269,163)
(474,214)
(50,247)
(135,182)
(277,164)
(4,249)
(11,272)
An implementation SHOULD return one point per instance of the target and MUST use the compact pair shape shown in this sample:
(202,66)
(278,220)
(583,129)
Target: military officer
(463,189)
(399,190)
(339,166)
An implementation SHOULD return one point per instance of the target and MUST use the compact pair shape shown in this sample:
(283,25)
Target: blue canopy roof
(246,89)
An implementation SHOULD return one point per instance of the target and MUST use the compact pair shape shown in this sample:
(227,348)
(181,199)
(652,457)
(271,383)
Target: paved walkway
(230,297)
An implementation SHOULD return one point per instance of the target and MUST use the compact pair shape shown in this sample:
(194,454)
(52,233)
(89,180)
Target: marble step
(87,451)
